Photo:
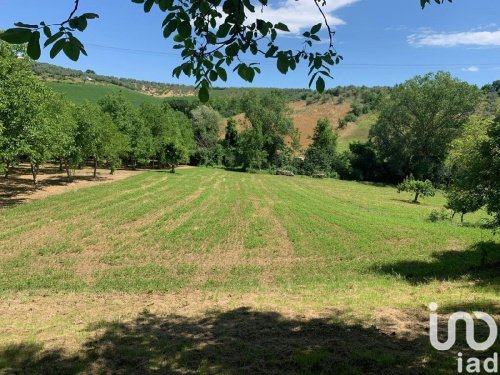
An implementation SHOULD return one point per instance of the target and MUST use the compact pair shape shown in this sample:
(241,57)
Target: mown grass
(362,245)
(290,244)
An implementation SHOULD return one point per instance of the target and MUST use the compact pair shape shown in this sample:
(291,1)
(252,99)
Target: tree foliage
(212,36)
(269,115)
(206,129)
(419,121)
(321,155)
(420,188)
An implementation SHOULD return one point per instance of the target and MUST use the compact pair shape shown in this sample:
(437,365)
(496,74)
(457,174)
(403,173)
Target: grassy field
(209,271)
(79,93)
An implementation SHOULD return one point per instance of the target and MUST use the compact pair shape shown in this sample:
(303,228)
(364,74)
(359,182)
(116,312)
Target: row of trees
(37,125)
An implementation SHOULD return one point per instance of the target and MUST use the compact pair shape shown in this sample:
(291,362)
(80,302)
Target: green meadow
(79,93)
(174,272)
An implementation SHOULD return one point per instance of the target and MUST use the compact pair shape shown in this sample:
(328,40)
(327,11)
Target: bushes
(439,215)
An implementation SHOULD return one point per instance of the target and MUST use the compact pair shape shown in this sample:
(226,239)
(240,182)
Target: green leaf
(184,29)
(90,16)
(72,49)
(282,63)
(222,74)
(73,23)
(232,49)
(26,25)
(165,4)
(223,30)
(57,47)
(320,85)
(148,5)
(249,5)
(203,94)
(250,74)
(33,50)
(47,31)
(53,38)
(316,28)
(271,51)
(242,72)
(16,36)
(170,28)
(213,75)
(282,27)
(82,24)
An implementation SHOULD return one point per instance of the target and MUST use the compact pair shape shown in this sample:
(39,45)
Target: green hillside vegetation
(357,131)
(80,92)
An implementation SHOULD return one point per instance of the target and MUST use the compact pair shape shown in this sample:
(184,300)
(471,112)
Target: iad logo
(473,365)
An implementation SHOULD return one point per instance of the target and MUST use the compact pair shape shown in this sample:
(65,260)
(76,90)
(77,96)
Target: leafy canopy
(211,35)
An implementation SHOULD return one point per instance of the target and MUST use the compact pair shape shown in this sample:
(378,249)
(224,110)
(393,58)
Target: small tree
(420,188)
(464,201)
(175,154)
(230,144)
(321,155)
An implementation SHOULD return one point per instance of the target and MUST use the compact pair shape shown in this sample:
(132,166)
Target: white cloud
(471,69)
(430,38)
(299,15)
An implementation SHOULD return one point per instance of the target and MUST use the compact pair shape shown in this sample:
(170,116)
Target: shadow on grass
(479,263)
(240,341)
(17,188)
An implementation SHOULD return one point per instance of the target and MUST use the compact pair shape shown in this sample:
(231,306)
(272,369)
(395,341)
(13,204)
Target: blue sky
(383,42)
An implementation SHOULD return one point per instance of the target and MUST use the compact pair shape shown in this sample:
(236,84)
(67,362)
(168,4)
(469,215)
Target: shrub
(439,215)
(350,117)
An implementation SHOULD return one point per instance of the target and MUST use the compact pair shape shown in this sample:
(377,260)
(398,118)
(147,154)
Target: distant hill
(306,106)
(54,73)
(305,117)
(80,92)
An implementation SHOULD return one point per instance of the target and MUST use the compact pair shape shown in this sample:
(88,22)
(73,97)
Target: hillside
(80,92)
(306,106)
(54,73)
(305,117)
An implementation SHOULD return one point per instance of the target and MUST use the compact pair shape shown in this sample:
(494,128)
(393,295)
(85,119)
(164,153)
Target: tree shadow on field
(17,188)
(479,263)
(240,341)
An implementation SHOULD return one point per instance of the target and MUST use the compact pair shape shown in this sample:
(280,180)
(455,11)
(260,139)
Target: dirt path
(18,188)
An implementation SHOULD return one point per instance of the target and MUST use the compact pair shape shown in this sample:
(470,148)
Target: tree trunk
(60,165)
(7,170)
(66,167)
(95,168)
(34,173)
(462,217)
(172,170)
(416,197)
(453,215)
